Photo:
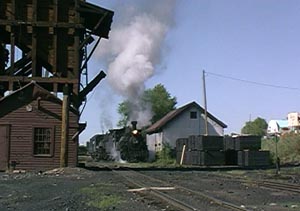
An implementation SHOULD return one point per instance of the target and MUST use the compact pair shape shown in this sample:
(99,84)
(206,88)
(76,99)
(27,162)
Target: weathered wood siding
(22,123)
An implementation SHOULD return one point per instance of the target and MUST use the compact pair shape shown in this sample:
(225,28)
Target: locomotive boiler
(124,144)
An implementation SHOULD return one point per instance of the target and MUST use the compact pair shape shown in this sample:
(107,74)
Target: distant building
(294,121)
(278,126)
(182,122)
(291,124)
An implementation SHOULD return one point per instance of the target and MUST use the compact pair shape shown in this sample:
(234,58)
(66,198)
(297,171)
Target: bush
(82,150)
(166,156)
(288,148)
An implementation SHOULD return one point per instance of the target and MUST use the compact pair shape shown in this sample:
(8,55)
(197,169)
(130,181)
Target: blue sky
(250,40)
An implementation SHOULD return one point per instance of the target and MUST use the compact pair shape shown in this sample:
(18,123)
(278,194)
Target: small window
(193,115)
(42,141)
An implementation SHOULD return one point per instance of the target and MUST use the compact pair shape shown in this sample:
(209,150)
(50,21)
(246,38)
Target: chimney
(134,123)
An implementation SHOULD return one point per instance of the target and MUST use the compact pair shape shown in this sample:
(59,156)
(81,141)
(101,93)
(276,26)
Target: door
(4,137)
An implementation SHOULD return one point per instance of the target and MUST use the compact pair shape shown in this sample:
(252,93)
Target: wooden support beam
(11,86)
(91,86)
(38,79)
(77,64)
(55,54)
(34,40)
(41,24)
(47,83)
(12,54)
(19,64)
(12,40)
(55,89)
(64,128)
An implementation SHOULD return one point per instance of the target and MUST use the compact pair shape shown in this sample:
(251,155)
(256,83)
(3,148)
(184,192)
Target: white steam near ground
(134,49)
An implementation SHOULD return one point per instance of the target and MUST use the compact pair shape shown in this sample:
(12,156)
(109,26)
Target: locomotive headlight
(135,132)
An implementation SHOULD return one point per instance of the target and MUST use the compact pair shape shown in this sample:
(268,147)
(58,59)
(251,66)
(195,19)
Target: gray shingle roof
(157,126)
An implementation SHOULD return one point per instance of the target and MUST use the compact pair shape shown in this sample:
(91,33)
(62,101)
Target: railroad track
(278,186)
(267,184)
(182,198)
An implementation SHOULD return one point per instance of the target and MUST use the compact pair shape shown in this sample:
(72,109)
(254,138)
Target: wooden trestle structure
(46,41)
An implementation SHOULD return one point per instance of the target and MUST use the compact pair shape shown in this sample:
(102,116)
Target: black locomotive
(125,144)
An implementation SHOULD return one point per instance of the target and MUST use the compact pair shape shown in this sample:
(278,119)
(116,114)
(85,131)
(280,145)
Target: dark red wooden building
(30,126)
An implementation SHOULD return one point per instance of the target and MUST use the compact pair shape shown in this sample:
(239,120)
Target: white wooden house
(181,123)
(278,127)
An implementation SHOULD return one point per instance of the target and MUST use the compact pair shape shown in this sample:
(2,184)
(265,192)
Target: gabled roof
(283,123)
(157,126)
(25,95)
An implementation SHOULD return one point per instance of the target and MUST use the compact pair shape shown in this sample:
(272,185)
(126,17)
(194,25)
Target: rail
(294,188)
(278,186)
(173,201)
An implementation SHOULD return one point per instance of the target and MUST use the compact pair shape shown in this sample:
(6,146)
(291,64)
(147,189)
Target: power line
(253,82)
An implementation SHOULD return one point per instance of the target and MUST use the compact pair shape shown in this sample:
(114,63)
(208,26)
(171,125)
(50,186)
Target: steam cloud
(134,50)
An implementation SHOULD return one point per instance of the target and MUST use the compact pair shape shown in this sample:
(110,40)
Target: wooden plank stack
(201,150)
(245,151)
(253,158)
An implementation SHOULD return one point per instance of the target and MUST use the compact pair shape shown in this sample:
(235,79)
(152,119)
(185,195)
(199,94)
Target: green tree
(159,99)
(288,148)
(124,111)
(257,127)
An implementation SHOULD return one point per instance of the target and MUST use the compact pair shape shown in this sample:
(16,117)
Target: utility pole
(64,127)
(276,155)
(205,103)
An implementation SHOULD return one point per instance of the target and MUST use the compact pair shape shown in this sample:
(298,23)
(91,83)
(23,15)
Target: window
(42,141)
(193,115)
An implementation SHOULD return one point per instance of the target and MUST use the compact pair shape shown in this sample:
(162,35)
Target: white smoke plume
(134,49)
(115,154)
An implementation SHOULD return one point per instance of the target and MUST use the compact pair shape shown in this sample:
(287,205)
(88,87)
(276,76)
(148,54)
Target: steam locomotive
(125,144)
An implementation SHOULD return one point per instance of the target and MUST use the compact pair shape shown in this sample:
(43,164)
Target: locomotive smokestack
(134,130)
(134,123)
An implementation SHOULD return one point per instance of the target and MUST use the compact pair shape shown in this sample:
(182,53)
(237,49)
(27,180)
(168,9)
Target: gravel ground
(68,189)
(80,189)
(230,190)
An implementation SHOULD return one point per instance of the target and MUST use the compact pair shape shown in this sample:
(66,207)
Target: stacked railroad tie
(245,151)
(200,150)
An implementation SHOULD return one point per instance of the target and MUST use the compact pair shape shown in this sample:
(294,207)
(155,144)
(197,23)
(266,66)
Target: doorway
(4,147)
